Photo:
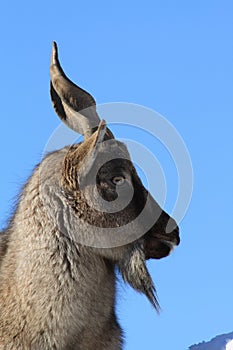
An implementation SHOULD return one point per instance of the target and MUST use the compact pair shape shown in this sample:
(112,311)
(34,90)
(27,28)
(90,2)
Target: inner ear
(91,146)
(80,159)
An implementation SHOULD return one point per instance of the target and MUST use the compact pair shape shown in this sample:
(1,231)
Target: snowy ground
(229,345)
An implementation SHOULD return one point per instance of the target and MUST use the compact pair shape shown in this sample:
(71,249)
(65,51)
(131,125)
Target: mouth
(157,246)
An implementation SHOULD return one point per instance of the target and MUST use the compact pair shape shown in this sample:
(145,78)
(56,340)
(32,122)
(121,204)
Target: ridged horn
(75,106)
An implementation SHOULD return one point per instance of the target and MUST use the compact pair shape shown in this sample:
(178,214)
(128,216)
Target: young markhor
(73,226)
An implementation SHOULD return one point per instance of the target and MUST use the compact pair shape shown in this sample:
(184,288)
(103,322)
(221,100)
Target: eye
(118,180)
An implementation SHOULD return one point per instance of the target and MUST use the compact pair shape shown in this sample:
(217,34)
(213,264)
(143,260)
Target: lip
(161,245)
(170,244)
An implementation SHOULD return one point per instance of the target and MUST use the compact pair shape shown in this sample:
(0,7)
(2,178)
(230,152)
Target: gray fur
(55,291)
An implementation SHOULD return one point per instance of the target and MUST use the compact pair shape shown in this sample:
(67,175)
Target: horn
(75,106)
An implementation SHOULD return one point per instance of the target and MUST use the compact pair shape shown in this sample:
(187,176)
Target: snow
(229,345)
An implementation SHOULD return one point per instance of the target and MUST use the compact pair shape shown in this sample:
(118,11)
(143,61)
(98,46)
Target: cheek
(155,249)
(106,192)
(108,195)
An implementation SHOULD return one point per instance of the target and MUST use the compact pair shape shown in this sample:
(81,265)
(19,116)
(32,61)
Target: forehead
(114,147)
(116,166)
(114,156)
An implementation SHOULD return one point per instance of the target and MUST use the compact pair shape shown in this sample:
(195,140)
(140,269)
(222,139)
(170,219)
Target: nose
(172,232)
(171,224)
(175,236)
(161,238)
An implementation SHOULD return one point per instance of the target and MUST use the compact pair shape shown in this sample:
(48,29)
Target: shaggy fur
(56,291)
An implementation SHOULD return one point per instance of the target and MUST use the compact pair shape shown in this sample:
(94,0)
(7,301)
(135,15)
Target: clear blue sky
(175,57)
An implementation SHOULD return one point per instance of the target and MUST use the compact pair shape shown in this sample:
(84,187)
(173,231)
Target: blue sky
(174,57)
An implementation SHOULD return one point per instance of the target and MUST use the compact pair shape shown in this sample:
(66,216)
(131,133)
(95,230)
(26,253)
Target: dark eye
(118,180)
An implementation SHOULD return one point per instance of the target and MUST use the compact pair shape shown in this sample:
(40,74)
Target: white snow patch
(229,345)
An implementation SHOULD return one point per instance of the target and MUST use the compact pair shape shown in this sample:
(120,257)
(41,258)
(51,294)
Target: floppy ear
(75,106)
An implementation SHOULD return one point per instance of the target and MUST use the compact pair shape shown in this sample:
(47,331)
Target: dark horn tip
(54,56)
(54,44)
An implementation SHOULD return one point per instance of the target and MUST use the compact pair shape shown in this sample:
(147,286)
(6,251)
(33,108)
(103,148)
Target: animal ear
(91,151)
(75,106)
(82,158)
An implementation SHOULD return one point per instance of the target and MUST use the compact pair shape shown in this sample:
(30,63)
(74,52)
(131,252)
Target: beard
(134,271)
